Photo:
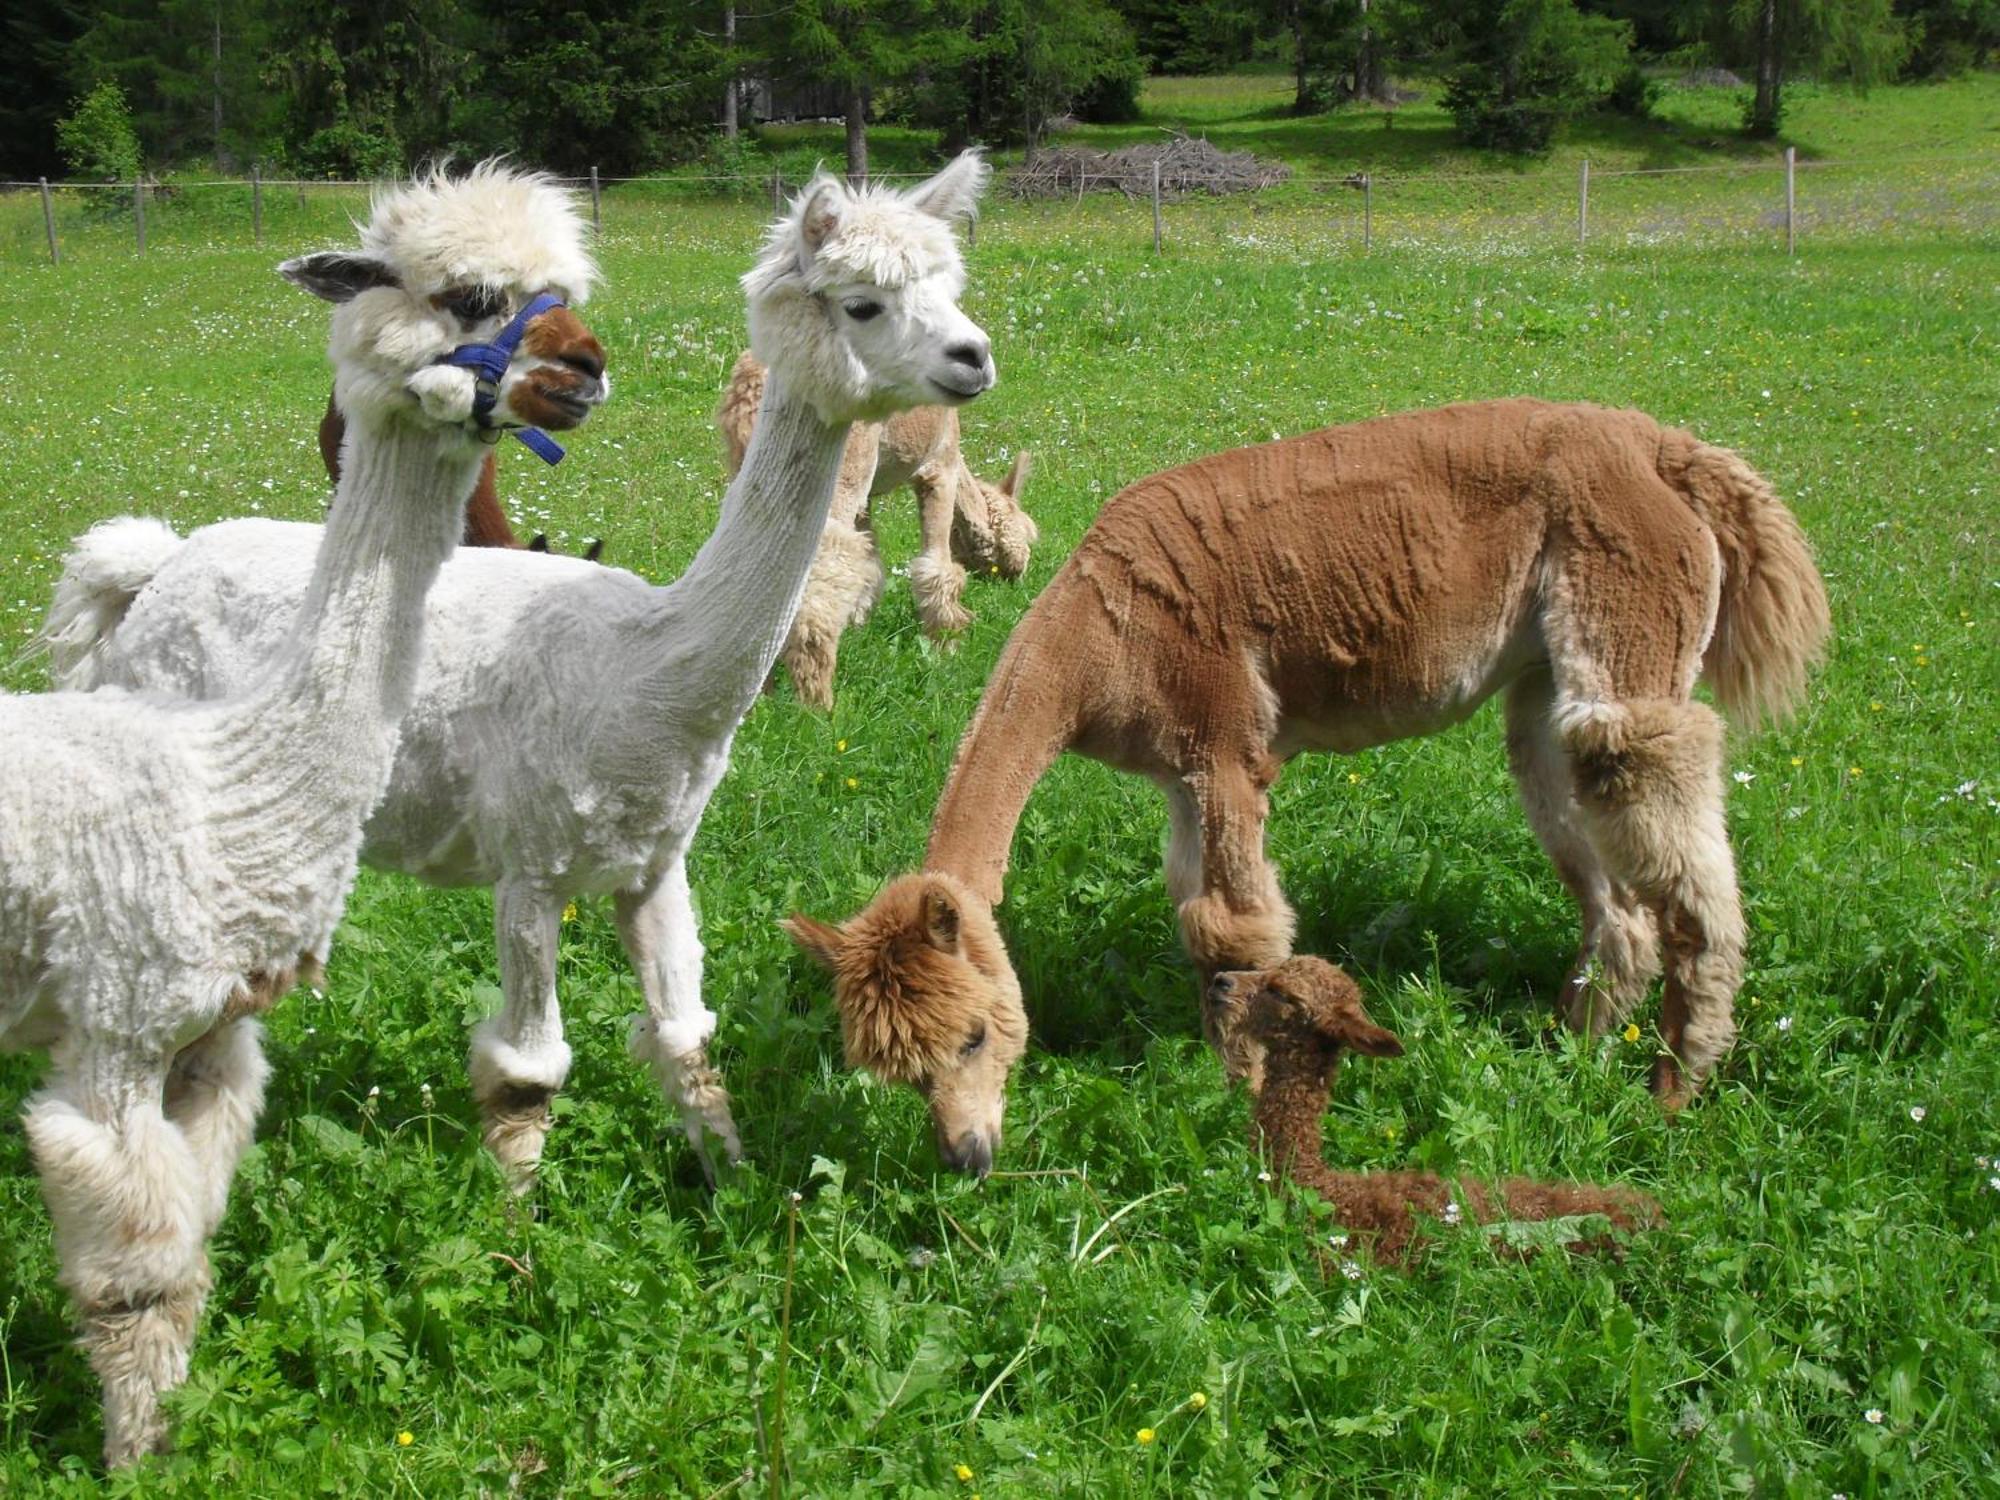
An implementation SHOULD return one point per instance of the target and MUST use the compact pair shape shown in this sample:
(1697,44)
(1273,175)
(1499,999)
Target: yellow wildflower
(1875,705)
(1353,777)
(1631,1031)
(841,746)
(1146,1435)
(1798,760)
(964,1474)
(852,783)
(404,1439)
(1854,770)
(1198,1400)
(569,912)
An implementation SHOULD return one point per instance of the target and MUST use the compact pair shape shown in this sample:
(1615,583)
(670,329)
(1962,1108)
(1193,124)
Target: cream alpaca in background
(965,523)
(571,720)
(1339,590)
(167,868)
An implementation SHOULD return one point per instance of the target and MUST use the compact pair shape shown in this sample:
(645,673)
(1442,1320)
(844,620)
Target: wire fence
(1779,202)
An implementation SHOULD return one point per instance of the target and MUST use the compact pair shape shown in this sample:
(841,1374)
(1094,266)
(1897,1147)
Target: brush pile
(1187,165)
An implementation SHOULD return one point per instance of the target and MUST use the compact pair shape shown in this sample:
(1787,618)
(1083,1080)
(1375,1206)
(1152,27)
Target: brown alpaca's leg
(841,589)
(130,1203)
(1239,918)
(936,581)
(1618,956)
(1649,781)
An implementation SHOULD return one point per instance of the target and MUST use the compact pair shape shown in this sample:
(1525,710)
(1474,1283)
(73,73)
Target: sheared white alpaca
(167,868)
(571,720)
(966,524)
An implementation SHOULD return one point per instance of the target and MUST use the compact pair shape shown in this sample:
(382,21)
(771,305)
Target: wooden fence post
(1583,203)
(139,210)
(49,223)
(257,202)
(1791,201)
(777,192)
(596,204)
(1156,205)
(972,233)
(1367,212)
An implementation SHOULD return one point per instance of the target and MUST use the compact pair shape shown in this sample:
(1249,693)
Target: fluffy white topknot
(494,225)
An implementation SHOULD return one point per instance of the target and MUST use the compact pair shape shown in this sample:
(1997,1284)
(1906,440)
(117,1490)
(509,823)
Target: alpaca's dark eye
(974,1042)
(474,304)
(861,309)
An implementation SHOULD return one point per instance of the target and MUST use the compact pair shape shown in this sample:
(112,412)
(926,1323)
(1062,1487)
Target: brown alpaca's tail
(1772,625)
(736,412)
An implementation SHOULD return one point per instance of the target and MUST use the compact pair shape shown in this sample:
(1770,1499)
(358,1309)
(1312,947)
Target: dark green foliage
(96,137)
(1948,37)
(36,38)
(1519,68)
(1861,42)
(1187,36)
(1633,93)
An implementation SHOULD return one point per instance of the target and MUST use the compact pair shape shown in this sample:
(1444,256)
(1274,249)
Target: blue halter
(489,362)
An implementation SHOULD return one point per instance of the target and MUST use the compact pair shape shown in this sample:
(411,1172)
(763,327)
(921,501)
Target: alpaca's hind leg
(1239,918)
(519,1058)
(937,582)
(657,925)
(1649,781)
(214,1093)
(130,1205)
(1618,956)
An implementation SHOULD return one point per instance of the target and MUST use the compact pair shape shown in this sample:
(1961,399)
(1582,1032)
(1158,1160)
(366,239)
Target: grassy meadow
(1822,1313)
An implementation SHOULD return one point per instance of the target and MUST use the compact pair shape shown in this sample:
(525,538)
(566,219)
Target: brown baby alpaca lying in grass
(1281,1032)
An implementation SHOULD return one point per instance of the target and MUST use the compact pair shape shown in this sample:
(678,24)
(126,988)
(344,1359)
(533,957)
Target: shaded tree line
(365,87)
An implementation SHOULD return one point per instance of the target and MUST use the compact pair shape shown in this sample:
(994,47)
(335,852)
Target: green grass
(1829,1253)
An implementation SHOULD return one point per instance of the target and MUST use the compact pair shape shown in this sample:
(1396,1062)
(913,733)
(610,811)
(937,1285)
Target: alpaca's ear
(339,275)
(1017,477)
(941,921)
(822,941)
(954,192)
(1356,1030)
(819,218)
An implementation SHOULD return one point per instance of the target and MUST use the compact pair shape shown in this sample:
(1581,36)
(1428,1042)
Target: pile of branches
(1187,165)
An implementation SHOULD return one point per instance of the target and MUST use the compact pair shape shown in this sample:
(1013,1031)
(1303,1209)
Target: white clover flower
(1873,1415)
(1351,1270)
(1917,1113)
(1784,1023)
(1338,1241)
(1263,1176)
(1743,778)
(1452,1213)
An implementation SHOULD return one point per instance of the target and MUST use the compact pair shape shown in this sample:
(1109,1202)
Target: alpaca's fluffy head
(928,998)
(1304,1010)
(990,532)
(447,260)
(854,303)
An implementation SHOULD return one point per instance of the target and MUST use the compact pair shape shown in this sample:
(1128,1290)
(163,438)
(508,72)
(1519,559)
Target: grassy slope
(1829,1253)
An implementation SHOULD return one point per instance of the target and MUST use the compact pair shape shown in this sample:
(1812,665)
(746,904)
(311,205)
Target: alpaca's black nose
(1221,985)
(971,1153)
(973,355)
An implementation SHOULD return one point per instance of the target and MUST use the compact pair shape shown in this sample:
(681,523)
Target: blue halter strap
(489,362)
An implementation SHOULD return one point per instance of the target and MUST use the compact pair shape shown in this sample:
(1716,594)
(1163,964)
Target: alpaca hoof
(1671,1086)
(517,1128)
(698,1092)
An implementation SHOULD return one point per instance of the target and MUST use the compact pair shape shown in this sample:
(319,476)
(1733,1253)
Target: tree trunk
(1368,87)
(1764,107)
(857,134)
(215,79)
(729,88)
(1300,102)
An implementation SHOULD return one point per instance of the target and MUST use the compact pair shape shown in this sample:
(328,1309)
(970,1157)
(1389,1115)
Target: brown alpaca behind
(1282,1031)
(485,522)
(965,524)
(1367,583)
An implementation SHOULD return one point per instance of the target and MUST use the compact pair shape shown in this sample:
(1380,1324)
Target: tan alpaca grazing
(1281,1031)
(1358,585)
(966,524)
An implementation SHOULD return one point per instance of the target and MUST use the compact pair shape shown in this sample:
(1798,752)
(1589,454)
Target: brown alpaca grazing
(1358,585)
(1281,1031)
(485,523)
(966,524)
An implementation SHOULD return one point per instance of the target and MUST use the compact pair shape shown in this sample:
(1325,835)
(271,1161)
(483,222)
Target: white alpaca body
(167,867)
(570,720)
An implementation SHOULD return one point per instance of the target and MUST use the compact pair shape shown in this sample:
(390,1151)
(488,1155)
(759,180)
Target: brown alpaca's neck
(1026,718)
(1289,1112)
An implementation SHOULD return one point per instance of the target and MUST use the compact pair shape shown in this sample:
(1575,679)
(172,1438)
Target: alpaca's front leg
(131,1205)
(519,1058)
(936,580)
(656,923)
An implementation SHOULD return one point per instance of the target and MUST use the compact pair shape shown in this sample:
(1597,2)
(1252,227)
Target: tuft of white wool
(104,571)
(493,225)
